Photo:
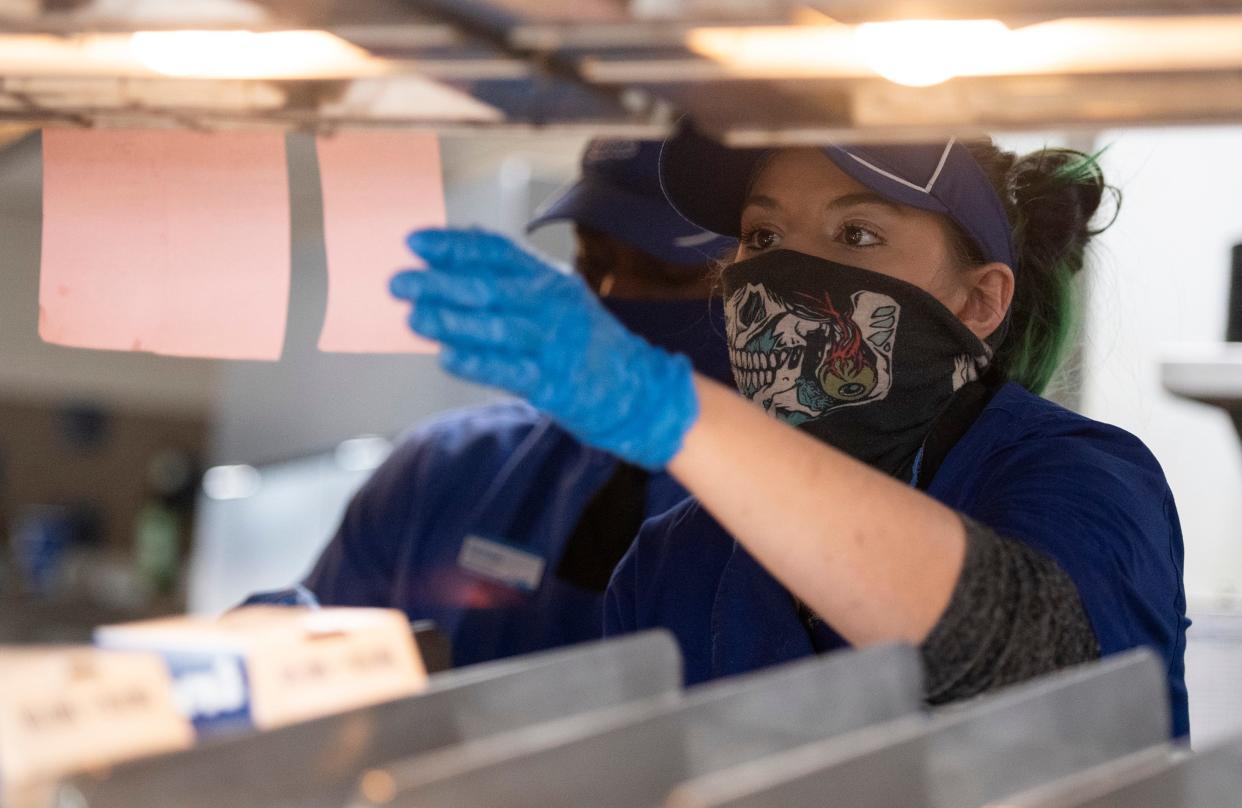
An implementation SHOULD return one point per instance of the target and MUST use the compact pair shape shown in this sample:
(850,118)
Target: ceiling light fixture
(927,52)
(250,54)
(920,53)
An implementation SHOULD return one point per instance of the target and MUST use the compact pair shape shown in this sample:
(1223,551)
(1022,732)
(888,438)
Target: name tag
(501,562)
(66,710)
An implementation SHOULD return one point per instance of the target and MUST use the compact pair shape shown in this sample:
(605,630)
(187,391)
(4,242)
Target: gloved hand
(507,319)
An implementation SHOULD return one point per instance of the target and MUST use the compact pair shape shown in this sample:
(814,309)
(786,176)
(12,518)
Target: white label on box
(266,666)
(327,670)
(67,710)
(503,563)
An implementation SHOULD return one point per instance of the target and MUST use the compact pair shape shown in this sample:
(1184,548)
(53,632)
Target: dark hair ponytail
(1050,197)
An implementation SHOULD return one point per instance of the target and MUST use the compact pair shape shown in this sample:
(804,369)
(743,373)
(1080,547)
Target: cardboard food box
(266,666)
(70,709)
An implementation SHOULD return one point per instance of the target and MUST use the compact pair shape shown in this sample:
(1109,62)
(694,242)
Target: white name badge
(66,710)
(504,563)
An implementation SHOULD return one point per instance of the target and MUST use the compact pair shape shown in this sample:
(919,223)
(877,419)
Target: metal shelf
(611,67)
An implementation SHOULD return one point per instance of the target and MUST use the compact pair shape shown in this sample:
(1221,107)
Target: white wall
(1161,276)
(270,540)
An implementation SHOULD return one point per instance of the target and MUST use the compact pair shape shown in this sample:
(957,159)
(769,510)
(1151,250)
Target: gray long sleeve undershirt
(1014,614)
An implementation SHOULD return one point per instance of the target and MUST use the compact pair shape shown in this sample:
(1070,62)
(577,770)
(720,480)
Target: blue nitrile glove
(507,319)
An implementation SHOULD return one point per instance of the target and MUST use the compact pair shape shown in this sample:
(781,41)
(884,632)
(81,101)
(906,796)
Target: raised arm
(875,557)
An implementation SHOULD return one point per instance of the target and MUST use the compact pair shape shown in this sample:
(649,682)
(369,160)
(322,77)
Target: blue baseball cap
(619,194)
(708,183)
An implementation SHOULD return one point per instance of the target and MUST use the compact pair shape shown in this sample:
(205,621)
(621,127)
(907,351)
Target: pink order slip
(169,242)
(377,187)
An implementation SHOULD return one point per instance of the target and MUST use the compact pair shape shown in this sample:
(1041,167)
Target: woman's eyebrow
(863,198)
(759,200)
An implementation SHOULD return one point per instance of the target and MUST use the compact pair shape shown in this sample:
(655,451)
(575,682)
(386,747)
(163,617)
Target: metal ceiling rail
(854,11)
(604,67)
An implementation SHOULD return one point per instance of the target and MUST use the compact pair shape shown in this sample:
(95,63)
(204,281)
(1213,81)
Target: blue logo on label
(211,690)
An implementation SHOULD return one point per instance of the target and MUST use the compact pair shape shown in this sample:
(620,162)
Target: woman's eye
(762,238)
(855,235)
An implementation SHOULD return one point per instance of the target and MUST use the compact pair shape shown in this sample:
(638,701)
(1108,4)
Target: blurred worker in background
(493,521)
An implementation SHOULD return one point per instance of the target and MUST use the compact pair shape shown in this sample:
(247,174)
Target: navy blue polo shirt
(465,523)
(1089,495)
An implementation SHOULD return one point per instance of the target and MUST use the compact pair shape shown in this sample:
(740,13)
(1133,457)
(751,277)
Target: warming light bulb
(247,54)
(920,53)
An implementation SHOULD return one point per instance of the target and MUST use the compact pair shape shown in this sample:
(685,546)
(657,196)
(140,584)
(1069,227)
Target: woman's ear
(988,297)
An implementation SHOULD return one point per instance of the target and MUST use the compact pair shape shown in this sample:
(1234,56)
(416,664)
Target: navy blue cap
(619,194)
(708,183)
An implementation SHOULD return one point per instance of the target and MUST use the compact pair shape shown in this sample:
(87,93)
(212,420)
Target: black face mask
(862,361)
(691,327)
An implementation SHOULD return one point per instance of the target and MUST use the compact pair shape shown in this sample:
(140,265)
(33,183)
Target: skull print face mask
(862,361)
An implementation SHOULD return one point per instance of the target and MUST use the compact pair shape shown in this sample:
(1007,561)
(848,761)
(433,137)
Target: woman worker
(901,306)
